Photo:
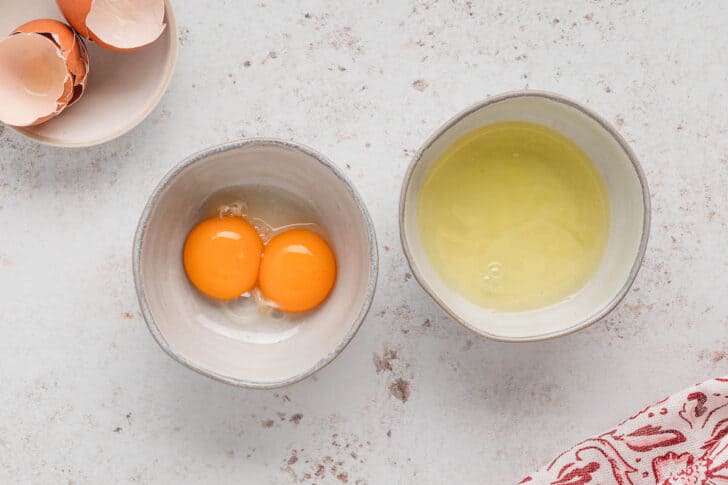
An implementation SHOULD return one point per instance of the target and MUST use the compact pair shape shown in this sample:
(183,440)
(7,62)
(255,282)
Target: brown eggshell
(64,54)
(112,47)
(34,81)
(73,49)
(81,13)
(76,12)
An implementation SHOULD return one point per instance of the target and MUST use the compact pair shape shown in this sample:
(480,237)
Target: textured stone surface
(88,397)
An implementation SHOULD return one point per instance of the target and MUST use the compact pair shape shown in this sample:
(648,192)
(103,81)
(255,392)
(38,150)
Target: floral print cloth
(681,440)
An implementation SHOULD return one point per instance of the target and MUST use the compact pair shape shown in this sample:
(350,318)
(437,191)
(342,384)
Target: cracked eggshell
(118,25)
(72,48)
(43,70)
(123,88)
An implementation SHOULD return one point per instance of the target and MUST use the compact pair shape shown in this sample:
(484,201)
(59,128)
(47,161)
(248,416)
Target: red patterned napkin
(681,440)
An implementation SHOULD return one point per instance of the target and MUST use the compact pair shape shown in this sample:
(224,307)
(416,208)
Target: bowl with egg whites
(255,262)
(525,216)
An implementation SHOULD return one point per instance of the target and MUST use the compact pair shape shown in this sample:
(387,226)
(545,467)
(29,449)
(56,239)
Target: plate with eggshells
(77,73)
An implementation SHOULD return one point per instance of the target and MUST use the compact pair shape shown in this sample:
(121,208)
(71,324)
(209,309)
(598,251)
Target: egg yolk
(298,270)
(222,257)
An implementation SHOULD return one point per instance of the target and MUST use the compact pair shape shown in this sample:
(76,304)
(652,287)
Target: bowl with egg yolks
(264,218)
(525,217)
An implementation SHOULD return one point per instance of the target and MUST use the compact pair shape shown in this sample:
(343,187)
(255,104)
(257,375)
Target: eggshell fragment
(72,48)
(43,70)
(118,25)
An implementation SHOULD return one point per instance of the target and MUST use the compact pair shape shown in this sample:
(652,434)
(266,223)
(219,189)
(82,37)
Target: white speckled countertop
(87,396)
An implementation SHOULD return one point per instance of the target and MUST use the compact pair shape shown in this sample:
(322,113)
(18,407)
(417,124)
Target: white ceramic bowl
(122,89)
(630,216)
(193,331)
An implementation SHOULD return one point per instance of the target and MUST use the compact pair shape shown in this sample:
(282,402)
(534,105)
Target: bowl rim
(552,97)
(153,102)
(138,244)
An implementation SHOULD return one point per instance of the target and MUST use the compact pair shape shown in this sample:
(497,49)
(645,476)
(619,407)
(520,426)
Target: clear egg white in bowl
(245,342)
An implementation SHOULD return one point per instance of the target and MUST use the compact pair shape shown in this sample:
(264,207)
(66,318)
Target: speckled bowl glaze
(175,312)
(630,217)
(123,88)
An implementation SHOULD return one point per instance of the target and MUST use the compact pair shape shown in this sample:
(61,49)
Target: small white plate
(122,89)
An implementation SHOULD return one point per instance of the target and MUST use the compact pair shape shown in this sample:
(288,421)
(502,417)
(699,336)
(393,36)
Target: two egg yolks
(224,258)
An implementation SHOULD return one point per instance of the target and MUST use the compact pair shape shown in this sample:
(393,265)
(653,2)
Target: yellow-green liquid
(514,216)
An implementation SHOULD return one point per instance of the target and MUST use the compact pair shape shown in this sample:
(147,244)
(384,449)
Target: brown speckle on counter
(420,84)
(400,389)
(385,361)
(267,423)
(269,56)
(184,35)
(636,309)
(284,398)
(713,356)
